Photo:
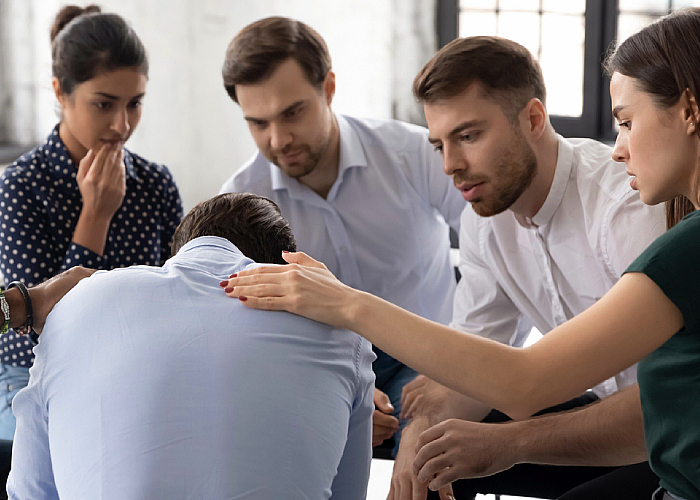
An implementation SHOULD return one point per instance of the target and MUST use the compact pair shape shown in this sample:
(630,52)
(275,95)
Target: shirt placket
(347,260)
(550,286)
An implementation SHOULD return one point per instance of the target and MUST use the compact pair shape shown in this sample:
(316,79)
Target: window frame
(596,120)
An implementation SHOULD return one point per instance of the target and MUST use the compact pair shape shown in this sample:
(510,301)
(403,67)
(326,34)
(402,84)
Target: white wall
(189,123)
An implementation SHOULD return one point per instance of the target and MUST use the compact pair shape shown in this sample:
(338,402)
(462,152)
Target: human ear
(58,91)
(329,87)
(691,113)
(535,116)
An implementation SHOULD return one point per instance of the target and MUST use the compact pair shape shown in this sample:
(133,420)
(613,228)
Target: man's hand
(48,293)
(384,425)
(457,449)
(423,396)
(404,483)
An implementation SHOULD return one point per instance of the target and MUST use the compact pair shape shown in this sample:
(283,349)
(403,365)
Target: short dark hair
(259,48)
(663,58)
(85,42)
(253,223)
(507,72)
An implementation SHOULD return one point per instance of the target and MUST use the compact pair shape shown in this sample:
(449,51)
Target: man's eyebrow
(458,129)
(286,110)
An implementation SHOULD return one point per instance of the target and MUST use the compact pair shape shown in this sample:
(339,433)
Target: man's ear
(329,87)
(534,116)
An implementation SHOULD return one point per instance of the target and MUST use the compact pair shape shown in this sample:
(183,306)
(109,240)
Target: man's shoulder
(253,176)
(596,168)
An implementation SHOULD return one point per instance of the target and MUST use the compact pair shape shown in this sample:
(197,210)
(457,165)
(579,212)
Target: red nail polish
(233,275)
(285,251)
(242,299)
(223,283)
(228,290)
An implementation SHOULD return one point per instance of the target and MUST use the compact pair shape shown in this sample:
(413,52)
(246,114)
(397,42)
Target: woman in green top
(653,308)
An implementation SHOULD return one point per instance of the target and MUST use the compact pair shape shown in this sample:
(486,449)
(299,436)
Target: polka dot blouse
(39,207)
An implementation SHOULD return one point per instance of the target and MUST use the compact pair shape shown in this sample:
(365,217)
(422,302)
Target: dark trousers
(564,482)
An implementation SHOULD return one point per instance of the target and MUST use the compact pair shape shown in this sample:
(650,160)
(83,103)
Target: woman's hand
(102,183)
(305,287)
(102,180)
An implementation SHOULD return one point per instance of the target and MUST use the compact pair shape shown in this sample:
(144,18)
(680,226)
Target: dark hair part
(507,72)
(259,48)
(253,223)
(663,60)
(85,43)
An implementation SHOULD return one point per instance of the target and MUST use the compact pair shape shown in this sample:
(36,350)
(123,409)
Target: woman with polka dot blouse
(81,198)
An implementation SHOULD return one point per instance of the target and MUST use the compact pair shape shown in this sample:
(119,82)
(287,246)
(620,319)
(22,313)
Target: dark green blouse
(669,378)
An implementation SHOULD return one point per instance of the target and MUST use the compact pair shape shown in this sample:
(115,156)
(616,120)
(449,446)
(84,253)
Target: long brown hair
(663,59)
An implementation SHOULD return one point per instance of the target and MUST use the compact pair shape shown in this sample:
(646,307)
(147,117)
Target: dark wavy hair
(259,48)
(253,223)
(507,71)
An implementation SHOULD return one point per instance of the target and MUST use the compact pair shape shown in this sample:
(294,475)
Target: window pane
(562,63)
(643,5)
(531,5)
(679,4)
(522,27)
(478,4)
(477,23)
(628,24)
(570,6)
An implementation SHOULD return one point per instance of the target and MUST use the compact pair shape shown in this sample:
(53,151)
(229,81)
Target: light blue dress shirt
(150,383)
(383,227)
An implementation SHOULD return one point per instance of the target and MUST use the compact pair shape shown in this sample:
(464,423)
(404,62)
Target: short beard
(517,167)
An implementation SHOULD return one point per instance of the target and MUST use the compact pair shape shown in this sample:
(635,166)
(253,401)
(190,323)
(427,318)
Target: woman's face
(659,146)
(104,109)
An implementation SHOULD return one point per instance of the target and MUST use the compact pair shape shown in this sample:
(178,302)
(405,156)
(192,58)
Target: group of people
(156,376)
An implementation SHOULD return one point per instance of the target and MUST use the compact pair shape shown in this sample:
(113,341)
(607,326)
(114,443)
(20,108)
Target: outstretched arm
(631,320)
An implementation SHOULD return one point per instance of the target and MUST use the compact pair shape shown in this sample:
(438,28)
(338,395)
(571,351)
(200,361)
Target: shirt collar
(209,241)
(352,154)
(565,162)
(58,156)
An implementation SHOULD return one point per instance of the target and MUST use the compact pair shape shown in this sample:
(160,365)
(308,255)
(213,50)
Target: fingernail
(285,251)
(223,283)
(233,275)
(228,290)
(242,298)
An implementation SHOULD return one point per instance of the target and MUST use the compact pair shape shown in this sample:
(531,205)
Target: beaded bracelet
(6,312)
(29,322)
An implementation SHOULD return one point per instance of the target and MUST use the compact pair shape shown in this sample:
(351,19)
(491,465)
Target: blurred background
(190,124)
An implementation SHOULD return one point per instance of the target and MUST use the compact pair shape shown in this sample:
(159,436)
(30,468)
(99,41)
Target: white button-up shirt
(550,268)
(383,227)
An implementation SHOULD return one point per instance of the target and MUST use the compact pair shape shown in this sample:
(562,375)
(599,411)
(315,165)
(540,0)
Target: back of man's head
(253,223)
(506,71)
(257,50)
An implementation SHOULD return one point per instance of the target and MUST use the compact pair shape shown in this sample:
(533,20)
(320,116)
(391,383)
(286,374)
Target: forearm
(607,433)
(91,231)
(497,375)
